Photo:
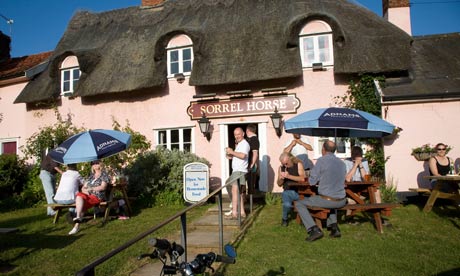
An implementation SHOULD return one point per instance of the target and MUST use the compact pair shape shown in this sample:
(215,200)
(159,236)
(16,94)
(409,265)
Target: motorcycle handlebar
(162,244)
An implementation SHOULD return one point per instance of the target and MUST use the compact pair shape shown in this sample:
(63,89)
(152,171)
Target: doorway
(228,140)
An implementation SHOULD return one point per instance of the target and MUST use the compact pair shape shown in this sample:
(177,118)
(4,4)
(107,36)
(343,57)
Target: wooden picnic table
(363,192)
(449,180)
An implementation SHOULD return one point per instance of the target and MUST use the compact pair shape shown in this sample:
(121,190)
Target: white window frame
(316,49)
(169,144)
(7,140)
(71,80)
(318,145)
(180,60)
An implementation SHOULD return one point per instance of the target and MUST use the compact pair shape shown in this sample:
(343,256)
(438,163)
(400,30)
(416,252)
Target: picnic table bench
(319,213)
(354,190)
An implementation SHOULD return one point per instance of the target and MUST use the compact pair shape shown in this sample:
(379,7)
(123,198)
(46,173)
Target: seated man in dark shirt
(290,171)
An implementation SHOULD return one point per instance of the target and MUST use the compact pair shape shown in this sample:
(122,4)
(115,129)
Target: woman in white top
(68,185)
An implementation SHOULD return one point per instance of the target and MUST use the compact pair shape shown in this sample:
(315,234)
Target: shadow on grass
(272,272)
(30,244)
(453,272)
(22,220)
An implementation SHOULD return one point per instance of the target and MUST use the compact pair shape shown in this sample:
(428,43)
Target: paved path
(203,237)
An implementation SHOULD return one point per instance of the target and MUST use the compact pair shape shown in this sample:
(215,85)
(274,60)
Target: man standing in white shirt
(239,158)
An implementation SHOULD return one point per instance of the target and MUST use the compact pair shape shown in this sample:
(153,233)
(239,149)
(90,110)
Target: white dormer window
(180,56)
(70,75)
(316,44)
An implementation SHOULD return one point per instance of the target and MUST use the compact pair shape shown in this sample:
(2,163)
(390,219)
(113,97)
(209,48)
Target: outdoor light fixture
(179,77)
(204,126)
(276,120)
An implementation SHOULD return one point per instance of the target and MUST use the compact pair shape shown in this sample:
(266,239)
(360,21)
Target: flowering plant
(427,148)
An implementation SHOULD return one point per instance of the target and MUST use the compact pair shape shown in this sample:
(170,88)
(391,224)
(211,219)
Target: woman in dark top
(439,163)
(290,171)
(92,193)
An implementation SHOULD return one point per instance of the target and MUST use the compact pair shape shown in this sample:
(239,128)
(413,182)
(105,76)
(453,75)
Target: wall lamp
(277,120)
(180,78)
(204,124)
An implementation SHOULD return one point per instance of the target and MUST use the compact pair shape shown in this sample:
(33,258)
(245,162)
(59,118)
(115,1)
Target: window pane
(187,133)
(174,68)
(187,54)
(174,136)
(162,137)
(188,147)
(174,55)
(76,74)
(309,51)
(66,75)
(66,86)
(175,146)
(323,45)
(187,66)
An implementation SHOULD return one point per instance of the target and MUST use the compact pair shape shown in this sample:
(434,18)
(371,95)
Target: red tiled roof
(16,67)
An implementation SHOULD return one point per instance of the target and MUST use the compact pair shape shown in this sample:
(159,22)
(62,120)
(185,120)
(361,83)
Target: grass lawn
(417,244)
(42,248)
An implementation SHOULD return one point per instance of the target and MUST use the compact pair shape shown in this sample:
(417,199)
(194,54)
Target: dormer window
(70,75)
(180,55)
(316,44)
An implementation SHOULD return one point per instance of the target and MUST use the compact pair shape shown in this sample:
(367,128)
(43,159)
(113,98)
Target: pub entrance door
(228,140)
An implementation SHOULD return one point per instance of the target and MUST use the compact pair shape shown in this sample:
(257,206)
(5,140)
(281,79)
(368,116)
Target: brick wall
(394,4)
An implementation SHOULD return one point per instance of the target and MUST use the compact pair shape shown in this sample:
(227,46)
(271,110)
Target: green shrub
(13,175)
(156,177)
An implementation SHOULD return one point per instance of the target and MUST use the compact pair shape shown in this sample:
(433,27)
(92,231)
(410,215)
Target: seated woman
(92,193)
(439,164)
(69,186)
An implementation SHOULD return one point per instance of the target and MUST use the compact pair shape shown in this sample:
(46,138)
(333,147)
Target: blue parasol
(91,145)
(338,122)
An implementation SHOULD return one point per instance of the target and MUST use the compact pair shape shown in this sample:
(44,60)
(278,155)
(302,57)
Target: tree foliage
(49,137)
(361,95)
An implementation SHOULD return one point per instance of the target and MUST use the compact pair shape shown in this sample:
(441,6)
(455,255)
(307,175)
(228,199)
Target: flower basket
(422,156)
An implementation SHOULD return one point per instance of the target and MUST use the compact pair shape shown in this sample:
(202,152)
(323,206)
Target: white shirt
(68,186)
(301,152)
(357,176)
(241,165)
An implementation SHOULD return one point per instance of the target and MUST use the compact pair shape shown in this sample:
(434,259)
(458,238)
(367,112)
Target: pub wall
(422,123)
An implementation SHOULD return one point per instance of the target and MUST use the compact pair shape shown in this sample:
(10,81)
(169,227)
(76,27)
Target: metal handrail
(89,270)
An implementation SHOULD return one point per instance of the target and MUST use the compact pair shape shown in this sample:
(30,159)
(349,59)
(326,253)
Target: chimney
(150,3)
(398,13)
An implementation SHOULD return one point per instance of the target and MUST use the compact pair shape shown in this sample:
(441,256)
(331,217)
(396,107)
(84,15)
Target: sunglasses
(441,148)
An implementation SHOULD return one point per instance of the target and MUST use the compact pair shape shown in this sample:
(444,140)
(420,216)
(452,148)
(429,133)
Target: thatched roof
(234,41)
(434,71)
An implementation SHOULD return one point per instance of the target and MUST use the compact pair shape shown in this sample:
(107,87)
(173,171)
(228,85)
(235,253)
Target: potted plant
(425,151)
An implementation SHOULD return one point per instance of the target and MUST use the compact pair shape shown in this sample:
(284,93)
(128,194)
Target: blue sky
(39,24)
